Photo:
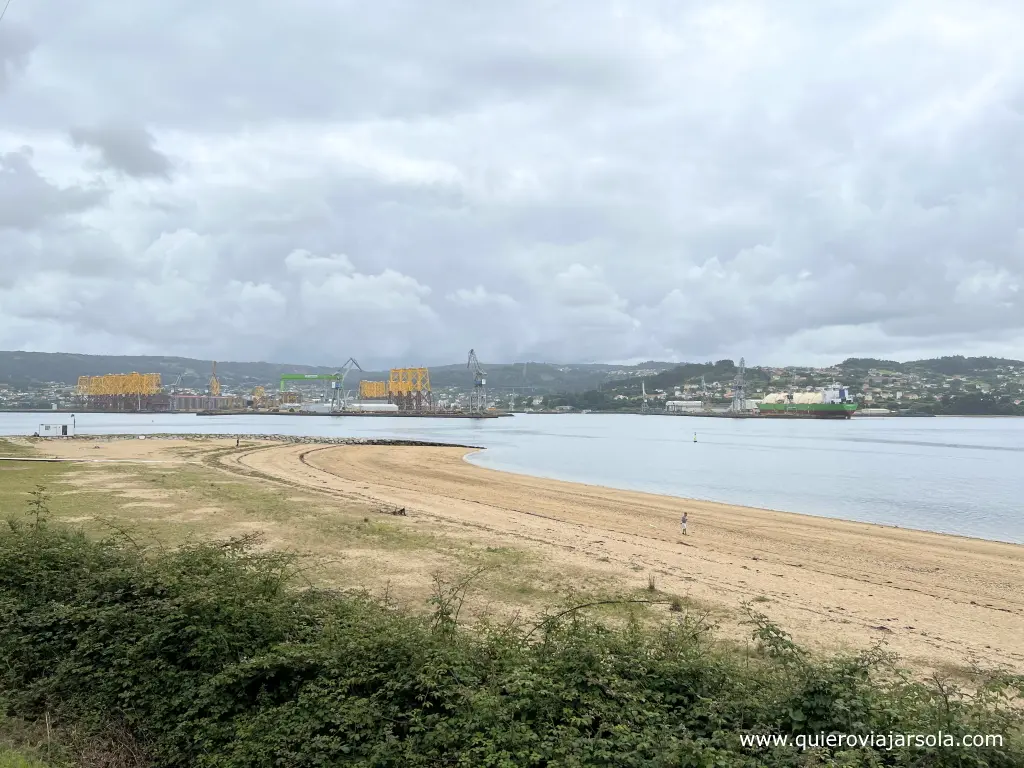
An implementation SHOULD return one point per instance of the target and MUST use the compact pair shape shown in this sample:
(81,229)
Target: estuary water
(954,475)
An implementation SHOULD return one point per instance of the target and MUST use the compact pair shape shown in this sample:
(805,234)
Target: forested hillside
(24,369)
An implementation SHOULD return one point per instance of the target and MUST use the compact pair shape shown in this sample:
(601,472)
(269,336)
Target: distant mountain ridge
(953,365)
(849,371)
(23,369)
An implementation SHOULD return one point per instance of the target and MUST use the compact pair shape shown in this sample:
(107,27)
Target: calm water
(954,475)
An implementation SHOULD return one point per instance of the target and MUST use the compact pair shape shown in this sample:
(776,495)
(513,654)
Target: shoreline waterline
(953,475)
(468,452)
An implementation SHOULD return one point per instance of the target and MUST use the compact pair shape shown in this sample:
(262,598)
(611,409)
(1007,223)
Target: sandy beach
(934,599)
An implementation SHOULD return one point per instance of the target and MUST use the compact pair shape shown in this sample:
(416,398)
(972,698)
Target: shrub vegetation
(210,655)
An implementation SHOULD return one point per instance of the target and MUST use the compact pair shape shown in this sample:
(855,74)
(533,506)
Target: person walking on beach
(683,523)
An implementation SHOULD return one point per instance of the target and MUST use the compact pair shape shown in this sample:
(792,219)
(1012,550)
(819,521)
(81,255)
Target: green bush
(11,759)
(208,656)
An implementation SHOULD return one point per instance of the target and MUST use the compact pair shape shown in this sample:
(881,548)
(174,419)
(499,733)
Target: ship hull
(808,410)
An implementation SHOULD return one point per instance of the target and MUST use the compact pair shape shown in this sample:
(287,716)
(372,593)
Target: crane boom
(337,379)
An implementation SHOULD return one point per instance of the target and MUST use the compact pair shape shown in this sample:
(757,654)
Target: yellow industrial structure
(122,392)
(373,390)
(119,384)
(409,389)
(408,380)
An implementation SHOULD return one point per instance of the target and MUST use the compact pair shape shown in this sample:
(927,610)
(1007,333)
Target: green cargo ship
(832,402)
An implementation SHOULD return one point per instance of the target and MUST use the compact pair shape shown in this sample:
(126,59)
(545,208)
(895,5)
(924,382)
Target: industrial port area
(405,392)
(68,382)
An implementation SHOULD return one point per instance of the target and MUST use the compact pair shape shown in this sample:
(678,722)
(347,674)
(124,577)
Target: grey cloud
(333,60)
(126,149)
(16,46)
(593,180)
(28,201)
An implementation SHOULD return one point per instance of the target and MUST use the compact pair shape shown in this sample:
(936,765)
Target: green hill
(958,365)
(24,369)
(859,366)
(721,371)
(955,365)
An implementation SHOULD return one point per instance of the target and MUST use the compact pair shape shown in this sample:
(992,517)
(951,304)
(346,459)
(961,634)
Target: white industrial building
(56,430)
(678,406)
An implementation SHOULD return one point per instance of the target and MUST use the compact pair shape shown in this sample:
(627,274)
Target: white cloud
(309,265)
(386,298)
(481,297)
(181,256)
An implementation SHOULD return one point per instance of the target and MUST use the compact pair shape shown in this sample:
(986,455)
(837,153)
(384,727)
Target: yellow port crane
(214,382)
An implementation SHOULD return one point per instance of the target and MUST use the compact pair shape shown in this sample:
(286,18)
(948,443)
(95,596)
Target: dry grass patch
(343,541)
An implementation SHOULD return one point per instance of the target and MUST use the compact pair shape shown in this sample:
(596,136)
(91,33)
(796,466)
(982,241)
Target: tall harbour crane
(739,389)
(335,382)
(478,397)
(348,366)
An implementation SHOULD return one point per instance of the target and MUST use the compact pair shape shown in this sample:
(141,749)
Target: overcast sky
(588,180)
